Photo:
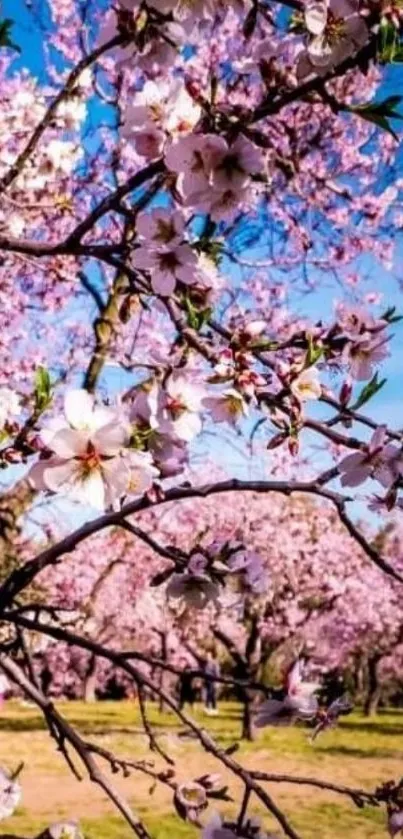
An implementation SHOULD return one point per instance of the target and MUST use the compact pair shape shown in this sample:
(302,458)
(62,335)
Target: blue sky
(388,405)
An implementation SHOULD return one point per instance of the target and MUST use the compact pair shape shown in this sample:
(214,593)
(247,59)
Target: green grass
(359,753)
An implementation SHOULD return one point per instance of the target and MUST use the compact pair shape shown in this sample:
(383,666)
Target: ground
(361,753)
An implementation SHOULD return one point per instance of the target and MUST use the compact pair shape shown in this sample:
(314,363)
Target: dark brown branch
(204,738)
(152,739)
(273,103)
(71,82)
(359,796)
(112,201)
(22,577)
(177,556)
(62,731)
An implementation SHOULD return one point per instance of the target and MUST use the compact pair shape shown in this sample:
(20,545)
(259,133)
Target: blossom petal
(78,407)
(60,477)
(188,426)
(110,439)
(69,443)
(54,425)
(163,282)
(90,491)
(316,16)
(351,461)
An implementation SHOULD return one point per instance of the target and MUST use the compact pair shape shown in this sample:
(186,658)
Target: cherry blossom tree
(169,143)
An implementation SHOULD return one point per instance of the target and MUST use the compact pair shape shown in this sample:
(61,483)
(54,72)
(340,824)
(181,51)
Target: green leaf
(196,318)
(5,40)
(313,353)
(388,42)
(391,316)
(297,23)
(212,249)
(42,389)
(379,113)
(368,391)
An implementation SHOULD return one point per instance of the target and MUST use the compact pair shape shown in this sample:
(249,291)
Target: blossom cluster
(214,569)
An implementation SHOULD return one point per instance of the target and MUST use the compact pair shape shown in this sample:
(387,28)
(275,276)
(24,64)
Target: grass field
(360,753)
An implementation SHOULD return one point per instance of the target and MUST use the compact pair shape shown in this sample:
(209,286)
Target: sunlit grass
(360,753)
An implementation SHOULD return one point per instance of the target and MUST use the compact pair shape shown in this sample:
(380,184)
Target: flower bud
(276,441)
(189,800)
(345,393)
(293,446)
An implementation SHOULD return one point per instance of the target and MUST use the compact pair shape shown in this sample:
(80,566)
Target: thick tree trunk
(360,675)
(374,687)
(360,670)
(248,730)
(90,681)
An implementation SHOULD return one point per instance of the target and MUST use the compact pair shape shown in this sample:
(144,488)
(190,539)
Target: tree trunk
(90,681)
(164,657)
(13,504)
(248,730)
(360,669)
(374,688)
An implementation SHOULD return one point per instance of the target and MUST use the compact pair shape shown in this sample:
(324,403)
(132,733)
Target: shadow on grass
(350,751)
(29,724)
(109,723)
(372,727)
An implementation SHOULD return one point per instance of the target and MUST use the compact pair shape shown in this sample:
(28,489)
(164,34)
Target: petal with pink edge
(163,283)
(69,443)
(110,439)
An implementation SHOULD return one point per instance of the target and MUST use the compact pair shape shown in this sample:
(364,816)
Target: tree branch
(62,731)
(26,153)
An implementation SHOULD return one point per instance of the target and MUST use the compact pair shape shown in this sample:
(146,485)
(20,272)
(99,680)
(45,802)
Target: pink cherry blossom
(167,266)
(190,799)
(182,406)
(147,414)
(213,176)
(194,590)
(380,461)
(250,568)
(395,823)
(9,405)
(141,472)
(161,227)
(86,463)
(336,30)
(228,406)
(363,355)
(306,385)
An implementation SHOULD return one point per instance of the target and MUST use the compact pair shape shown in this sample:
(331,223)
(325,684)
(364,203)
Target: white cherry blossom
(228,406)
(9,405)
(85,463)
(307,385)
(10,795)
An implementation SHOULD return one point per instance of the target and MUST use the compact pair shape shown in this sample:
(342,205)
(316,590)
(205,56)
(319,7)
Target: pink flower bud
(345,393)
(254,329)
(193,89)
(276,441)
(293,446)
(12,456)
